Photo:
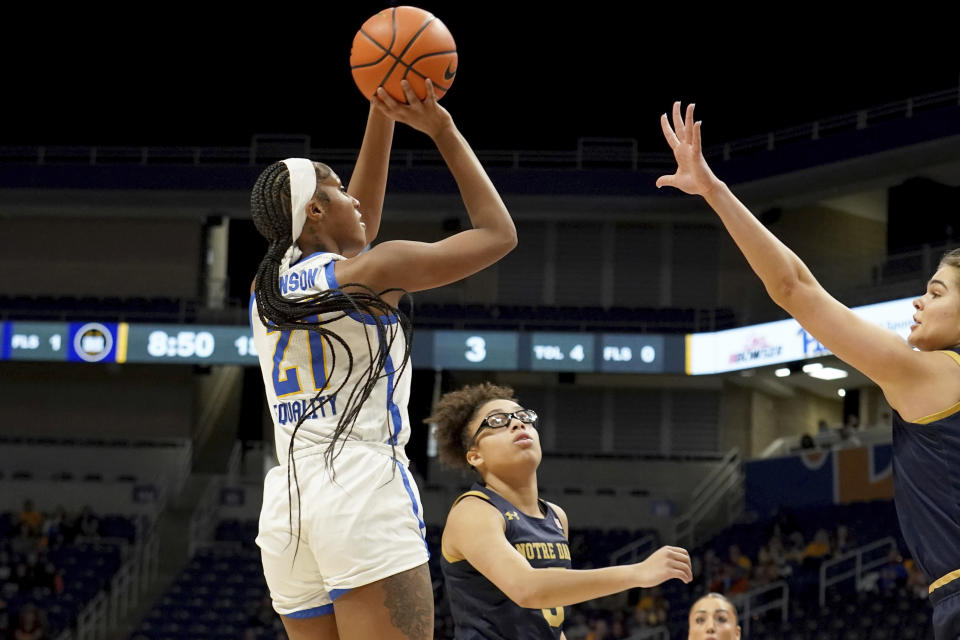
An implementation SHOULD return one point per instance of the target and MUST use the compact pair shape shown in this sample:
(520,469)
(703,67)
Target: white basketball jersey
(297,365)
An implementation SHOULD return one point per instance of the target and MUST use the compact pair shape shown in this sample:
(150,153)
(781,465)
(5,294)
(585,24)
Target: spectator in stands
(844,540)
(88,524)
(574,629)
(713,616)
(795,548)
(722,578)
(30,517)
(340,399)
(778,556)
(31,625)
(766,570)
(54,527)
(848,432)
(738,559)
(505,553)
(652,609)
(741,570)
(916,582)
(645,604)
(893,574)
(817,549)
(618,630)
(783,524)
(920,377)
(599,630)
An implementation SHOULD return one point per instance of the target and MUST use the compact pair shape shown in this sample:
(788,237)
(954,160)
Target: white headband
(303,184)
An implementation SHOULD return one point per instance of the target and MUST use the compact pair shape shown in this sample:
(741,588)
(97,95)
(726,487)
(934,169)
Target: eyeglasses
(502,419)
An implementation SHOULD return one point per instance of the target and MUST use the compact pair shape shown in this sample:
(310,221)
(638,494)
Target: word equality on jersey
(284,412)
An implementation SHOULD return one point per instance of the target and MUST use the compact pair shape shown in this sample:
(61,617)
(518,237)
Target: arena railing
(108,608)
(590,152)
(861,565)
(756,602)
(719,499)
(635,551)
(203,520)
(879,433)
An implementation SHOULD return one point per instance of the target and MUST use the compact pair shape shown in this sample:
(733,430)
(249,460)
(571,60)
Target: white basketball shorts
(362,525)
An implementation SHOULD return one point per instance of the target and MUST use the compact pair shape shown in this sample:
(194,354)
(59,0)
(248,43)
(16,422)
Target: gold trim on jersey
(940,415)
(477,494)
(952,354)
(448,557)
(947,579)
(467,494)
(949,411)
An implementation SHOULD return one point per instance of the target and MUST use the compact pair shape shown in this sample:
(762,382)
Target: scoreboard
(438,349)
(692,354)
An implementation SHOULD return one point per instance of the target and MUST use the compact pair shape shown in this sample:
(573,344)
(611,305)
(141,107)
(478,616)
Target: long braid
(270,208)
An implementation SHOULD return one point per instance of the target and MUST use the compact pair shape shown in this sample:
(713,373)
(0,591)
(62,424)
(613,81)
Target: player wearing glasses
(506,560)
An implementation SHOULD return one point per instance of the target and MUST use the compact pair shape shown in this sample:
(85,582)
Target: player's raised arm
(877,352)
(368,182)
(415,266)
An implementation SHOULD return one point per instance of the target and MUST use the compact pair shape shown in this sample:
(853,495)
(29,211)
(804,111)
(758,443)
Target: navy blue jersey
(926,472)
(479,608)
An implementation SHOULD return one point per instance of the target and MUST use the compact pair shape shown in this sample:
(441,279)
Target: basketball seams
(406,48)
(386,53)
(422,43)
(429,55)
(422,75)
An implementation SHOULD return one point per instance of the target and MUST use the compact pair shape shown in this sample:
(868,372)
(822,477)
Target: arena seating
(60,574)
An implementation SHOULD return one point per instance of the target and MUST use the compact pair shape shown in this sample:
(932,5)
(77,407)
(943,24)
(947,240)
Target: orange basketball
(403,43)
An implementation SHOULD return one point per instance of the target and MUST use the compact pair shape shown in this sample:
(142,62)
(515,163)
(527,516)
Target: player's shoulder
(315,259)
(472,505)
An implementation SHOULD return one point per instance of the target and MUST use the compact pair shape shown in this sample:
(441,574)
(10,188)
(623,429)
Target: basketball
(403,43)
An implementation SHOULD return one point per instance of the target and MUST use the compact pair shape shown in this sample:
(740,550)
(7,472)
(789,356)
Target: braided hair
(270,205)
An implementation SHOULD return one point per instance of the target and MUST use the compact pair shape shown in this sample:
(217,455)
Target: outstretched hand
(662,565)
(693,175)
(423,115)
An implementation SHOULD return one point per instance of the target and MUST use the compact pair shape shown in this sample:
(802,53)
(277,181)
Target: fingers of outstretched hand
(678,125)
(696,137)
(688,119)
(668,132)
